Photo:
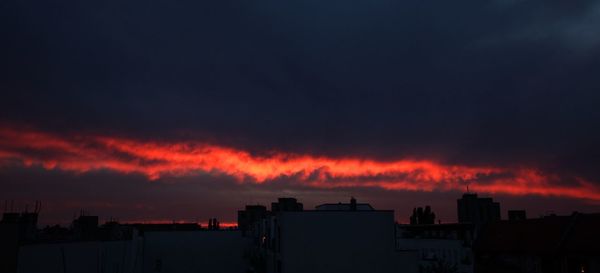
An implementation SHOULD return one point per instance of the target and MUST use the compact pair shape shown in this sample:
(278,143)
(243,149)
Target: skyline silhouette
(288,237)
(163,123)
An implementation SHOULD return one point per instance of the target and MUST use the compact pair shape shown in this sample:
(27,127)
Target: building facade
(477,210)
(440,247)
(330,240)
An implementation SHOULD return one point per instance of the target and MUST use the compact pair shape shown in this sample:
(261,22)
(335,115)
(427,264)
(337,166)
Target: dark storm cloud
(500,82)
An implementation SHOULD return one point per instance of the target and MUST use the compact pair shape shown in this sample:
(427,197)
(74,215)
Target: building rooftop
(343,206)
(575,233)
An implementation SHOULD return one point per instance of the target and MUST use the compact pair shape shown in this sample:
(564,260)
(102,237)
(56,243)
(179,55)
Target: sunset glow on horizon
(157,160)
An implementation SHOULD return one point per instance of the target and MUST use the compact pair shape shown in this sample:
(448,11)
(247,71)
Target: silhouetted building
(343,237)
(85,256)
(441,247)
(113,231)
(250,215)
(194,251)
(28,226)
(10,217)
(166,227)
(213,224)
(517,215)
(85,227)
(336,239)
(9,242)
(286,204)
(54,233)
(353,205)
(476,210)
(171,247)
(422,216)
(16,229)
(553,244)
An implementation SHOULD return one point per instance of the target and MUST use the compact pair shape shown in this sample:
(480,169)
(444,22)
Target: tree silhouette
(422,216)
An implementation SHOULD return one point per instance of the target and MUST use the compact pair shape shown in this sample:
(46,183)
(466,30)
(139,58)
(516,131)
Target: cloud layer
(385,98)
(155,159)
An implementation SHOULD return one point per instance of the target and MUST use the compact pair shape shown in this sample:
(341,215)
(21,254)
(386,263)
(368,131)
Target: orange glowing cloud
(154,159)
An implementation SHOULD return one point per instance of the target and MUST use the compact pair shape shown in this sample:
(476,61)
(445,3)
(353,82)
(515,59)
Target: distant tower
(213,224)
(286,204)
(249,216)
(476,210)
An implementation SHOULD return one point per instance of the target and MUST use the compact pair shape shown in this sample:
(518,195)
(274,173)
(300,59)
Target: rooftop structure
(477,210)
(352,206)
(286,204)
(548,244)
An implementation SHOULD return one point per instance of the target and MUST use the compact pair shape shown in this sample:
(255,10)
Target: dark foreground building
(553,244)
(335,237)
(477,210)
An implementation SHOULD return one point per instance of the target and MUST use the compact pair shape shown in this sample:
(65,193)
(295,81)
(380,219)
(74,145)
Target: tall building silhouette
(286,204)
(335,237)
(249,216)
(477,210)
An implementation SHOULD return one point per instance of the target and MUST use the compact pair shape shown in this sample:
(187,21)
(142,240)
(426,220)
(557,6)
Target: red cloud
(154,159)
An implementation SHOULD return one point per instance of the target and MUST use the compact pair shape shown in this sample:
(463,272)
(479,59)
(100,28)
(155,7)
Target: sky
(189,110)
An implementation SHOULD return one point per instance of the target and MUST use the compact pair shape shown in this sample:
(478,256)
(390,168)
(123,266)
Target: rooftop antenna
(467,187)
(12,203)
